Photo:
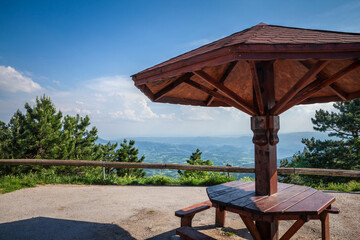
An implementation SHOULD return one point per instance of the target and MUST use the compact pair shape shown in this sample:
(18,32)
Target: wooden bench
(188,233)
(187,214)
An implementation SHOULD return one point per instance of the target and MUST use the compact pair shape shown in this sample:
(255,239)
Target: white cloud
(12,81)
(198,113)
(116,96)
(200,42)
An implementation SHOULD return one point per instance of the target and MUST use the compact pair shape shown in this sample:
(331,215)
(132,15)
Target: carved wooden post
(265,138)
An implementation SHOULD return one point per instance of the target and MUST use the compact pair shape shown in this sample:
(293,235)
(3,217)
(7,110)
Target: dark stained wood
(280,208)
(189,66)
(257,89)
(220,217)
(188,233)
(314,204)
(265,130)
(218,189)
(222,80)
(194,209)
(229,93)
(241,203)
(183,101)
(302,82)
(186,221)
(228,190)
(332,210)
(338,91)
(251,227)
(147,92)
(275,199)
(325,230)
(321,100)
(234,193)
(172,85)
(333,87)
(187,214)
(293,229)
(289,200)
(216,95)
(268,230)
(249,52)
(319,84)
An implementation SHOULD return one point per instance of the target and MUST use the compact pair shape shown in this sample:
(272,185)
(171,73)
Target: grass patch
(11,183)
(93,176)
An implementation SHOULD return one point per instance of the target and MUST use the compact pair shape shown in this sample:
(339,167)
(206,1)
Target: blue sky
(82,53)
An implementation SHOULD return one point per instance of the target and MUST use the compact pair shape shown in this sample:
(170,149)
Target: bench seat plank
(193,209)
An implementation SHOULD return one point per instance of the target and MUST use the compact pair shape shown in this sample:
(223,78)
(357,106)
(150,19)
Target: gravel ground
(138,212)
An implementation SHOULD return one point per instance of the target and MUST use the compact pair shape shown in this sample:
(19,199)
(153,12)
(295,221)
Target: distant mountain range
(236,151)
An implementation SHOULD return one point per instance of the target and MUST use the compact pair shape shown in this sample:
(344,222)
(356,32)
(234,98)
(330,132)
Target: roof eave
(249,52)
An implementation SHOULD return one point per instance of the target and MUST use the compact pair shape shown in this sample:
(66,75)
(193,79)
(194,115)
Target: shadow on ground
(212,229)
(41,228)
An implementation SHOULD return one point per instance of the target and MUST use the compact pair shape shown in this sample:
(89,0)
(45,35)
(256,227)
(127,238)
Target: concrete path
(137,212)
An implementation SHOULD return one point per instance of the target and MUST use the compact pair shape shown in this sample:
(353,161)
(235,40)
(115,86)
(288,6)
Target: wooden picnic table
(291,202)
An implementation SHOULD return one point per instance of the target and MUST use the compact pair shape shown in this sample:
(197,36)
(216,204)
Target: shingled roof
(298,57)
(264,34)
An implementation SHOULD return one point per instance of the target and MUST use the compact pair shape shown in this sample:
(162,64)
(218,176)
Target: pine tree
(128,153)
(343,152)
(81,143)
(42,130)
(195,159)
(107,151)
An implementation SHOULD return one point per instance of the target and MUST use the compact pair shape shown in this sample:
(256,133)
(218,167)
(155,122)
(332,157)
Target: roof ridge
(308,29)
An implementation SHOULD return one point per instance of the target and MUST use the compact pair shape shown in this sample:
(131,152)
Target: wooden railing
(305,171)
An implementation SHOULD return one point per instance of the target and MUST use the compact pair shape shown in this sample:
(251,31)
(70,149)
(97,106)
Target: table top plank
(276,199)
(280,208)
(290,199)
(236,193)
(314,204)
(251,198)
(223,188)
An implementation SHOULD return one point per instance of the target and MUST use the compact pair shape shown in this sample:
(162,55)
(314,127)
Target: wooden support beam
(323,75)
(172,85)
(325,231)
(250,225)
(222,79)
(216,95)
(220,217)
(146,91)
(183,101)
(319,84)
(300,84)
(293,229)
(229,93)
(338,91)
(256,86)
(321,100)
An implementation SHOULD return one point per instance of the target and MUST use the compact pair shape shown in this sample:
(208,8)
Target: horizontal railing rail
(305,171)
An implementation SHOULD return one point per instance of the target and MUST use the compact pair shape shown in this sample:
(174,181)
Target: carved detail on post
(274,126)
(265,130)
(259,126)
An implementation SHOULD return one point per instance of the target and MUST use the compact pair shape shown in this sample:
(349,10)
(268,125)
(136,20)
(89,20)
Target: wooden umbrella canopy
(263,71)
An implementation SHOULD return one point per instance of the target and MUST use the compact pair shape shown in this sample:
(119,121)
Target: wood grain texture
(293,229)
(228,92)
